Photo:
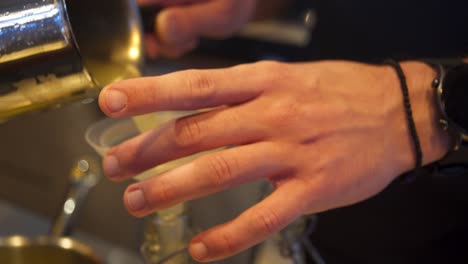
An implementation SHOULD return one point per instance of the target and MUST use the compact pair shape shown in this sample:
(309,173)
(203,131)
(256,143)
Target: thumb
(216,19)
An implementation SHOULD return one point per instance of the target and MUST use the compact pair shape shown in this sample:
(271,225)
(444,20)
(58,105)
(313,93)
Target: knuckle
(228,244)
(233,117)
(275,73)
(283,114)
(161,195)
(201,86)
(222,170)
(266,221)
(274,66)
(187,132)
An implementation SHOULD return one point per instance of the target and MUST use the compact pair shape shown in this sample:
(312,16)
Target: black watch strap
(451,88)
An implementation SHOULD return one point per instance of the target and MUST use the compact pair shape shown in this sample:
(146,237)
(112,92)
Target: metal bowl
(44,250)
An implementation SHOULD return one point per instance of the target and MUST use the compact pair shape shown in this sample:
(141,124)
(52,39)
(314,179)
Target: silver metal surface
(58,247)
(56,51)
(83,177)
(37,151)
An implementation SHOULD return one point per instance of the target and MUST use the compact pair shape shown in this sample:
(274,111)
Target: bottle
(167,235)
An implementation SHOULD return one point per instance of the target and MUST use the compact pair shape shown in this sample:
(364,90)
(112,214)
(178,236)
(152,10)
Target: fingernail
(199,250)
(111,166)
(116,100)
(135,200)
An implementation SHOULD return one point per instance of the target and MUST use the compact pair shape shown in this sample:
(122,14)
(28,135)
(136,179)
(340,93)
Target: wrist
(434,140)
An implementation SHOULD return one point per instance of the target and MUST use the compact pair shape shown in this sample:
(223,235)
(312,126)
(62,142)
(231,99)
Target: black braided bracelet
(409,116)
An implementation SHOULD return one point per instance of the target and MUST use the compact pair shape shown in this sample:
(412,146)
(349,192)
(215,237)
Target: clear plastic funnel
(173,235)
(110,132)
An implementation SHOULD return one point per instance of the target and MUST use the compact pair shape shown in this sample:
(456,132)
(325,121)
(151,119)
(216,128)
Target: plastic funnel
(110,132)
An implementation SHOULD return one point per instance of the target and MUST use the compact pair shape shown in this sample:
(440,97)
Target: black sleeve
(371,31)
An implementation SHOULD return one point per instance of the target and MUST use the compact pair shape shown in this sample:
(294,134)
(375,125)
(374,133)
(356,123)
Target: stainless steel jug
(56,51)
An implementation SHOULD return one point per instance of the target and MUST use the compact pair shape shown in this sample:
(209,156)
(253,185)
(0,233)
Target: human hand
(182,22)
(326,135)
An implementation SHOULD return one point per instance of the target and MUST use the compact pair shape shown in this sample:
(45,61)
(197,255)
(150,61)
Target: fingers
(185,90)
(185,23)
(151,47)
(182,22)
(206,175)
(154,49)
(183,137)
(252,227)
(176,51)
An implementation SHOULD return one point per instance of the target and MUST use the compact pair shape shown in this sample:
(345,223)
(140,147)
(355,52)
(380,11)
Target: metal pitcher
(57,51)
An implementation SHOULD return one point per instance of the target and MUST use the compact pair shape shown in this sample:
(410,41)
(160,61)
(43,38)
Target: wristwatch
(451,87)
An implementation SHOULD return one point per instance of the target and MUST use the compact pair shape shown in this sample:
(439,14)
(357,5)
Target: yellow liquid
(150,121)
(172,237)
